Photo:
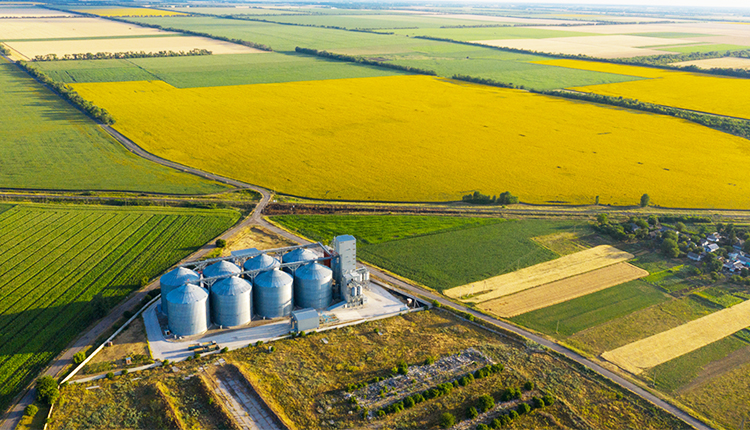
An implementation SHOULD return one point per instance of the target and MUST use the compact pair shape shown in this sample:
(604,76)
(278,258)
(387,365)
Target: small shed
(305,320)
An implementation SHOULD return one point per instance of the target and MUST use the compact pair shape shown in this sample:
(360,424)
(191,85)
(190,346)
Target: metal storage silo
(188,310)
(298,255)
(231,302)
(173,280)
(313,286)
(221,268)
(260,262)
(272,294)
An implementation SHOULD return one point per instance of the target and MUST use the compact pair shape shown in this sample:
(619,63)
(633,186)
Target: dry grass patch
(127,11)
(660,348)
(723,63)
(255,237)
(540,274)
(563,290)
(54,28)
(607,46)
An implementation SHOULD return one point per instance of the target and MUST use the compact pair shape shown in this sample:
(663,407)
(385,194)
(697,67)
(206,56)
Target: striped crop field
(705,93)
(55,259)
(420,138)
(126,11)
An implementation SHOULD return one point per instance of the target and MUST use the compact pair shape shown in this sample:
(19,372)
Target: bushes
(30,410)
(529,385)
(111,375)
(486,402)
(472,413)
(361,60)
(79,357)
(122,55)
(46,390)
(68,94)
(510,394)
(447,420)
(523,408)
(221,243)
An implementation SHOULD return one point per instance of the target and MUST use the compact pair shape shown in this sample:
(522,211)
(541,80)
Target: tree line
(738,127)
(486,81)
(4,50)
(362,60)
(122,55)
(68,94)
(505,198)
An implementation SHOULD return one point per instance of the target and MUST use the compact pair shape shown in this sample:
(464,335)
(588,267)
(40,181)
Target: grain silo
(299,255)
(173,280)
(188,310)
(272,294)
(221,268)
(313,286)
(260,262)
(231,302)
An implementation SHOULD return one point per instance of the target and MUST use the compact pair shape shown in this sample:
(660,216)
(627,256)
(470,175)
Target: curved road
(255,218)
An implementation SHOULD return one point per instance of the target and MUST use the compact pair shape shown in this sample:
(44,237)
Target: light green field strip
(660,348)
(63,39)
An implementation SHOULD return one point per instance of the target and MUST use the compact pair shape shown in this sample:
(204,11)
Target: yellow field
(646,353)
(563,290)
(419,138)
(694,91)
(127,11)
(540,274)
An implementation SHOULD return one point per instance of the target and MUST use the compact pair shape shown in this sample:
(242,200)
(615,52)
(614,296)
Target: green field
(386,21)
(593,309)
(676,373)
(490,33)
(211,70)
(639,324)
(233,10)
(705,48)
(45,143)
(442,259)
(54,259)
(446,59)
(670,35)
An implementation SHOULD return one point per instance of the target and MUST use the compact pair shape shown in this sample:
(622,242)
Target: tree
(528,386)
(486,402)
(111,375)
(447,420)
(669,248)
(645,200)
(653,220)
(99,305)
(46,390)
(507,198)
(221,243)
(79,357)
(602,218)
(523,408)
(30,410)
(472,413)
(680,226)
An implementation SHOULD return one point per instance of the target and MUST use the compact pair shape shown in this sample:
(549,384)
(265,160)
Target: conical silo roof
(178,277)
(273,279)
(231,287)
(186,294)
(260,262)
(299,254)
(221,268)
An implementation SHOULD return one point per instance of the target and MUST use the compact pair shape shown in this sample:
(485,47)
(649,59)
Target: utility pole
(558,327)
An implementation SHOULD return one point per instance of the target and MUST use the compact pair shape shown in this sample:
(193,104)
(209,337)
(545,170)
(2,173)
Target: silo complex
(173,280)
(231,302)
(299,255)
(272,294)
(260,262)
(221,268)
(188,310)
(313,286)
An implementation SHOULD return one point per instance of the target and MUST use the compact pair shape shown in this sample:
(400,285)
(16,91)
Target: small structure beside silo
(305,320)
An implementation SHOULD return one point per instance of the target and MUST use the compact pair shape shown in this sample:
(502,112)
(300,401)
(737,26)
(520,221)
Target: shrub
(127,314)
(549,400)
(259,343)
(197,355)
(46,388)
(510,394)
(513,415)
(79,357)
(409,402)
(472,413)
(221,243)
(447,420)
(272,349)
(538,403)
(225,349)
(486,402)
(429,360)
(497,423)
(30,410)
(483,427)
(523,408)
(528,386)
(165,363)
(381,413)
(125,372)
(111,375)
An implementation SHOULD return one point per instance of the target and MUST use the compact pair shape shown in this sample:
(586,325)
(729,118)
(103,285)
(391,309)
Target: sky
(745,4)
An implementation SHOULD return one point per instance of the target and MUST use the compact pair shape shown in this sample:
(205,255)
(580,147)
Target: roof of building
(305,314)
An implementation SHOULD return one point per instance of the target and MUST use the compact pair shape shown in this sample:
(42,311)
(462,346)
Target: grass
(45,143)
(639,324)
(678,372)
(374,229)
(211,70)
(591,310)
(411,125)
(705,48)
(57,258)
(670,35)
(490,33)
(385,21)
(718,296)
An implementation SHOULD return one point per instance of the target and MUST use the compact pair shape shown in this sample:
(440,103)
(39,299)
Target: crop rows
(54,261)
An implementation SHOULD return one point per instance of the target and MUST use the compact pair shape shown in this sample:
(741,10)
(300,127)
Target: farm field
(78,27)
(563,290)
(662,347)
(51,145)
(482,33)
(582,313)
(28,11)
(424,162)
(724,63)
(384,21)
(541,274)
(125,11)
(705,93)
(707,48)
(235,10)
(56,259)
(31,49)
(210,70)
(435,258)
(304,381)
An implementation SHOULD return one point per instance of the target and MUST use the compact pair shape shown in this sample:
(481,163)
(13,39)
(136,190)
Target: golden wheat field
(649,352)
(127,11)
(563,290)
(419,138)
(705,93)
(540,274)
